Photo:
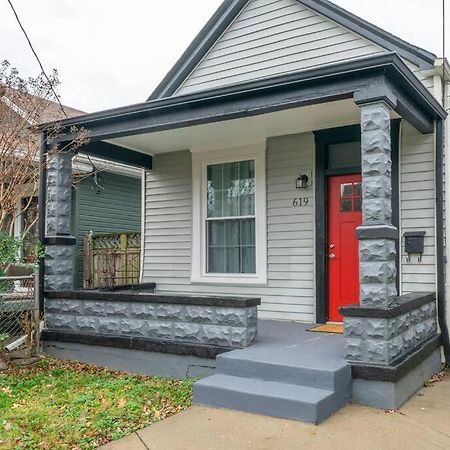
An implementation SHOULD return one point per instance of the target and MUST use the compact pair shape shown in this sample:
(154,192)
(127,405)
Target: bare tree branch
(24,103)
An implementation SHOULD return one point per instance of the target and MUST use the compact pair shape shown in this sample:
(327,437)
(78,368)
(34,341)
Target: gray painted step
(288,372)
(284,400)
(309,372)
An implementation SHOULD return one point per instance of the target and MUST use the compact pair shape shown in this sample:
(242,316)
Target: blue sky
(114,52)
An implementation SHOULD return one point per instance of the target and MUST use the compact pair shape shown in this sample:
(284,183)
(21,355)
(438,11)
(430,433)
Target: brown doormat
(335,328)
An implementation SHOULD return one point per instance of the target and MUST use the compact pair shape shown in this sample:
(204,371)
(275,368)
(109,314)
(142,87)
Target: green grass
(62,405)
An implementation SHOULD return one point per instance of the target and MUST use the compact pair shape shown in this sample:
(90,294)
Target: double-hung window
(229,230)
(230,218)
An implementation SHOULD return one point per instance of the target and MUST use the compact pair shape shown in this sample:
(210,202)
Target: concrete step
(309,371)
(284,400)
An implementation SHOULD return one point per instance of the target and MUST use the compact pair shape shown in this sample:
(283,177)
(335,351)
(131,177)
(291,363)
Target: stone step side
(337,378)
(289,401)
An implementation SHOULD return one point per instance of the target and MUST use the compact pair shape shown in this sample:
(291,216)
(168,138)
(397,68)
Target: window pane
(232,232)
(247,188)
(231,189)
(248,260)
(248,232)
(214,193)
(216,260)
(231,246)
(346,190)
(232,262)
(346,205)
(216,233)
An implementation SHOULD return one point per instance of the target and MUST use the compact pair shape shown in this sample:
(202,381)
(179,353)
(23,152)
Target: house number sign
(301,202)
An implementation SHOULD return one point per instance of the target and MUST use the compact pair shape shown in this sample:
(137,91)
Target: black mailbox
(415,243)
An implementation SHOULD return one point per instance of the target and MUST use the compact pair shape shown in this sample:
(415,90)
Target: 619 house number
(301,202)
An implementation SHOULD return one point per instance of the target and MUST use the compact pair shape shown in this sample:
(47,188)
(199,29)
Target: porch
(287,372)
(273,127)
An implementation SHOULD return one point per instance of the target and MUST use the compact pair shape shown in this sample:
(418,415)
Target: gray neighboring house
(111,205)
(294,157)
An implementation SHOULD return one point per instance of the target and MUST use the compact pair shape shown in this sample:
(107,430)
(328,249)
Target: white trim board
(200,160)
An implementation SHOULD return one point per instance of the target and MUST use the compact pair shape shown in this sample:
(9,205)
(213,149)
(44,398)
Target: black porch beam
(314,86)
(111,152)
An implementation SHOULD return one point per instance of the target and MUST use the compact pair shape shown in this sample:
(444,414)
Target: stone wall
(384,336)
(385,340)
(219,325)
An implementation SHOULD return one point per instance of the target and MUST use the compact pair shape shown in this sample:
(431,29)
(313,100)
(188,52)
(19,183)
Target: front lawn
(62,405)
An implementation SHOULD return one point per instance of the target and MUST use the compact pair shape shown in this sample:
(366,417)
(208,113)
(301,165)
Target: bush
(9,250)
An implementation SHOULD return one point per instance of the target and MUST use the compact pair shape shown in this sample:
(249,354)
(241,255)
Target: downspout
(42,199)
(440,238)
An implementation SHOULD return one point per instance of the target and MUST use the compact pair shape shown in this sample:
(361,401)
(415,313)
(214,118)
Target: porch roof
(380,77)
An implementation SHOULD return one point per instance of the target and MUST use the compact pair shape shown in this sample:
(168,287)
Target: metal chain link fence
(19,316)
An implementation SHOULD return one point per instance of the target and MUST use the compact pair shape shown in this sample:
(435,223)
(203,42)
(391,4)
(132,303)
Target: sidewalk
(423,423)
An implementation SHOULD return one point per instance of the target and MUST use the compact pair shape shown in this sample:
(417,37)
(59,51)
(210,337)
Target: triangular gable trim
(418,56)
(230,9)
(207,37)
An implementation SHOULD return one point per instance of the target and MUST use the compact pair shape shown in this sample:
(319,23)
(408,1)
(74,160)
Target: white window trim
(200,161)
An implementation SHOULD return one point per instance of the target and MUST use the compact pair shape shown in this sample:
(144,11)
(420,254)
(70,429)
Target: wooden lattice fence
(112,259)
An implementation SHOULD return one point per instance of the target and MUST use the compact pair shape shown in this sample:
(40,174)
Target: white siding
(418,203)
(289,293)
(422,75)
(273,37)
(167,245)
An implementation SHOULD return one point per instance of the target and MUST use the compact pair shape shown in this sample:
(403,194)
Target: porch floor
(291,343)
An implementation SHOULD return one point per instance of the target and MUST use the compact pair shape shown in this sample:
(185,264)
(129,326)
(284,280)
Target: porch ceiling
(246,130)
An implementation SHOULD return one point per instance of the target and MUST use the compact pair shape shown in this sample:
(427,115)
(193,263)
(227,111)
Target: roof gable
(252,39)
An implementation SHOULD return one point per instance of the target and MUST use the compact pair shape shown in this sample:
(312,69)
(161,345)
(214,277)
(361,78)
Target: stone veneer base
(194,325)
(384,336)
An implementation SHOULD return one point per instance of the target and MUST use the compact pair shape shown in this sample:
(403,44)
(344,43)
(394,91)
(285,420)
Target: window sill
(230,281)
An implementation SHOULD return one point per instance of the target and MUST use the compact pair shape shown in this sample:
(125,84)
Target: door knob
(332,246)
(332,256)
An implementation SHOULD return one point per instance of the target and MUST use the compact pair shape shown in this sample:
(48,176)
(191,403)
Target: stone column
(369,334)
(377,235)
(59,254)
(386,336)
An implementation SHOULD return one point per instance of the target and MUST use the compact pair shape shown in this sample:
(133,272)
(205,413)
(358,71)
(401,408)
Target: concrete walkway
(423,423)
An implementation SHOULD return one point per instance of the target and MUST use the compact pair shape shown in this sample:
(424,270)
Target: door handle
(332,256)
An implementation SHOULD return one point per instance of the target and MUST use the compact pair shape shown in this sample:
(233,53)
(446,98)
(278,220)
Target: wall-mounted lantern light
(302,182)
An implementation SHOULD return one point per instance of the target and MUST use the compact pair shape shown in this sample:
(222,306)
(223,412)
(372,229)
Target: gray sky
(113,52)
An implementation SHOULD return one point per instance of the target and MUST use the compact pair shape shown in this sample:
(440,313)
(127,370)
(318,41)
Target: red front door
(344,215)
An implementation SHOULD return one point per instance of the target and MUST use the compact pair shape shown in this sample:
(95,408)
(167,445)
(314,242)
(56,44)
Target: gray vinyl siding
(289,293)
(116,209)
(274,37)
(418,202)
